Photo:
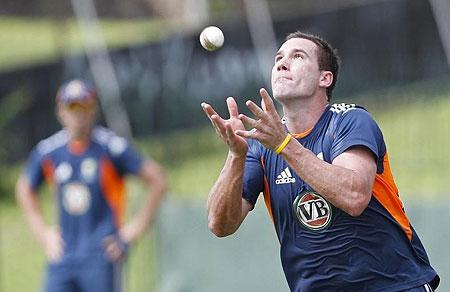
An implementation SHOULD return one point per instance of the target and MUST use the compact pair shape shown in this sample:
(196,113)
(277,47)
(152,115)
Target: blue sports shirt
(323,248)
(88,184)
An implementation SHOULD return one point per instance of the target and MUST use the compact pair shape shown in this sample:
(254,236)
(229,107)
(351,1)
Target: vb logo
(312,211)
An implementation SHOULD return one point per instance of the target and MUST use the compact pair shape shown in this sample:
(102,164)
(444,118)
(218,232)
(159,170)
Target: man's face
(296,70)
(77,118)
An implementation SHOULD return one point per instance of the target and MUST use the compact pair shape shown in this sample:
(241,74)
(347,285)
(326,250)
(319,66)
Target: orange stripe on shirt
(386,192)
(302,134)
(48,169)
(78,147)
(266,192)
(113,187)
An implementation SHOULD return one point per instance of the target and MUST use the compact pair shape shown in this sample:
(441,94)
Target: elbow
(220,229)
(358,204)
(160,185)
(163,187)
(355,211)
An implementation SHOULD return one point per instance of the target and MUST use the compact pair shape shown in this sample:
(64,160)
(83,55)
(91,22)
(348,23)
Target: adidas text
(285,177)
(285,180)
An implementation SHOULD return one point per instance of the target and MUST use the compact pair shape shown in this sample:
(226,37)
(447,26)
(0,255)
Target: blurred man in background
(86,165)
(327,184)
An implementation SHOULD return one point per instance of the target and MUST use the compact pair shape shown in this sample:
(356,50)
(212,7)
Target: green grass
(33,40)
(21,258)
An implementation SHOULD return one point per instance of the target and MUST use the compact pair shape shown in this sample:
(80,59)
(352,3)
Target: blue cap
(75,91)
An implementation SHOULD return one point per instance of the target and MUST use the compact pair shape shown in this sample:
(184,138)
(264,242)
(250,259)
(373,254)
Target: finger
(266,102)
(246,134)
(255,109)
(110,247)
(113,255)
(208,109)
(107,240)
(229,133)
(232,107)
(219,125)
(54,254)
(60,240)
(248,121)
(112,251)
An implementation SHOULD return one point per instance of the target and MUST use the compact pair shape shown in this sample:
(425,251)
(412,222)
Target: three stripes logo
(285,177)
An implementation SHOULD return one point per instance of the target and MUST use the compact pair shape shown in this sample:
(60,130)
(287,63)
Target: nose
(281,65)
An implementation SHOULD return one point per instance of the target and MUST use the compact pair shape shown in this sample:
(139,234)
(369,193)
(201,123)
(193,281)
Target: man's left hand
(267,128)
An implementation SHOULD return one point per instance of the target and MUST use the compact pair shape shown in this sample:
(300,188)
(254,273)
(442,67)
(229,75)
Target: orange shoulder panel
(386,192)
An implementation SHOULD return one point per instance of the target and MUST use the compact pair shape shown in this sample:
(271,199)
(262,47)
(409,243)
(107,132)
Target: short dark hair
(328,57)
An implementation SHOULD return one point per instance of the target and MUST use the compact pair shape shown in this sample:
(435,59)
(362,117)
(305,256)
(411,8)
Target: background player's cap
(76,91)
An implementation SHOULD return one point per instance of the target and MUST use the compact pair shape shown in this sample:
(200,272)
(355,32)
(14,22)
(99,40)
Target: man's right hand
(226,128)
(53,244)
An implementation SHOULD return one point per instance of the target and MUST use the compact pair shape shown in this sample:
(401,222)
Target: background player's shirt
(322,247)
(88,184)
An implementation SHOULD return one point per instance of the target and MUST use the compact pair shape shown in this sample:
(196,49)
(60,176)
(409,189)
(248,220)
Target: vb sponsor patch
(312,210)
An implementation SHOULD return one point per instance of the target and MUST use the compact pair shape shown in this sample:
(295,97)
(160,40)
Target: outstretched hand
(226,129)
(267,128)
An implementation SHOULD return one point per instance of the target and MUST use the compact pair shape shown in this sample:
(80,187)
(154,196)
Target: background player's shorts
(93,274)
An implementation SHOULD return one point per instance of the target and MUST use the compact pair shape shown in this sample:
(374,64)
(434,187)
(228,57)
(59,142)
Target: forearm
(145,216)
(30,207)
(225,198)
(343,187)
(156,182)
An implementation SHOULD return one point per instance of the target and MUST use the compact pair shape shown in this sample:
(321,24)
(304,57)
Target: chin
(280,96)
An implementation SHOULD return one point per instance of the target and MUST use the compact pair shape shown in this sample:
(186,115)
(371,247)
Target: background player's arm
(155,179)
(49,237)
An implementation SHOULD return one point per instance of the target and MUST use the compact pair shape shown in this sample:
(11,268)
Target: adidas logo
(285,177)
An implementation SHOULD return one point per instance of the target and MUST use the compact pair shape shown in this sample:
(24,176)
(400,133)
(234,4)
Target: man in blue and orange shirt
(325,175)
(86,166)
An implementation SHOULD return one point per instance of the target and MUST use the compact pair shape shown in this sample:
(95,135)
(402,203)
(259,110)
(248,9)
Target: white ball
(211,38)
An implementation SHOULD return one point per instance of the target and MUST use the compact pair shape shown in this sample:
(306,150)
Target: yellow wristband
(283,144)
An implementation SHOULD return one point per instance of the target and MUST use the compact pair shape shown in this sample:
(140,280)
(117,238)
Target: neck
(302,114)
(79,136)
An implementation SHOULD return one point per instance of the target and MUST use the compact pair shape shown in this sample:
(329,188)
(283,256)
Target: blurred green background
(395,63)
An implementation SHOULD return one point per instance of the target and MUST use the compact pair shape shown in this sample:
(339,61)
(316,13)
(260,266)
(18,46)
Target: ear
(326,78)
(59,111)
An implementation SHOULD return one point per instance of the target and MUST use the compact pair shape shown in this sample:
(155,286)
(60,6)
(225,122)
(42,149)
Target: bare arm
(153,176)
(346,183)
(48,237)
(226,208)
(155,179)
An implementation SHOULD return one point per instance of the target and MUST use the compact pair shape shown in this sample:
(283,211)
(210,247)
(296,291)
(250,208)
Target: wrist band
(283,144)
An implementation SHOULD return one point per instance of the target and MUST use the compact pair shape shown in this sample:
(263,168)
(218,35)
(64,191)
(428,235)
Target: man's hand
(268,128)
(226,128)
(115,247)
(53,244)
